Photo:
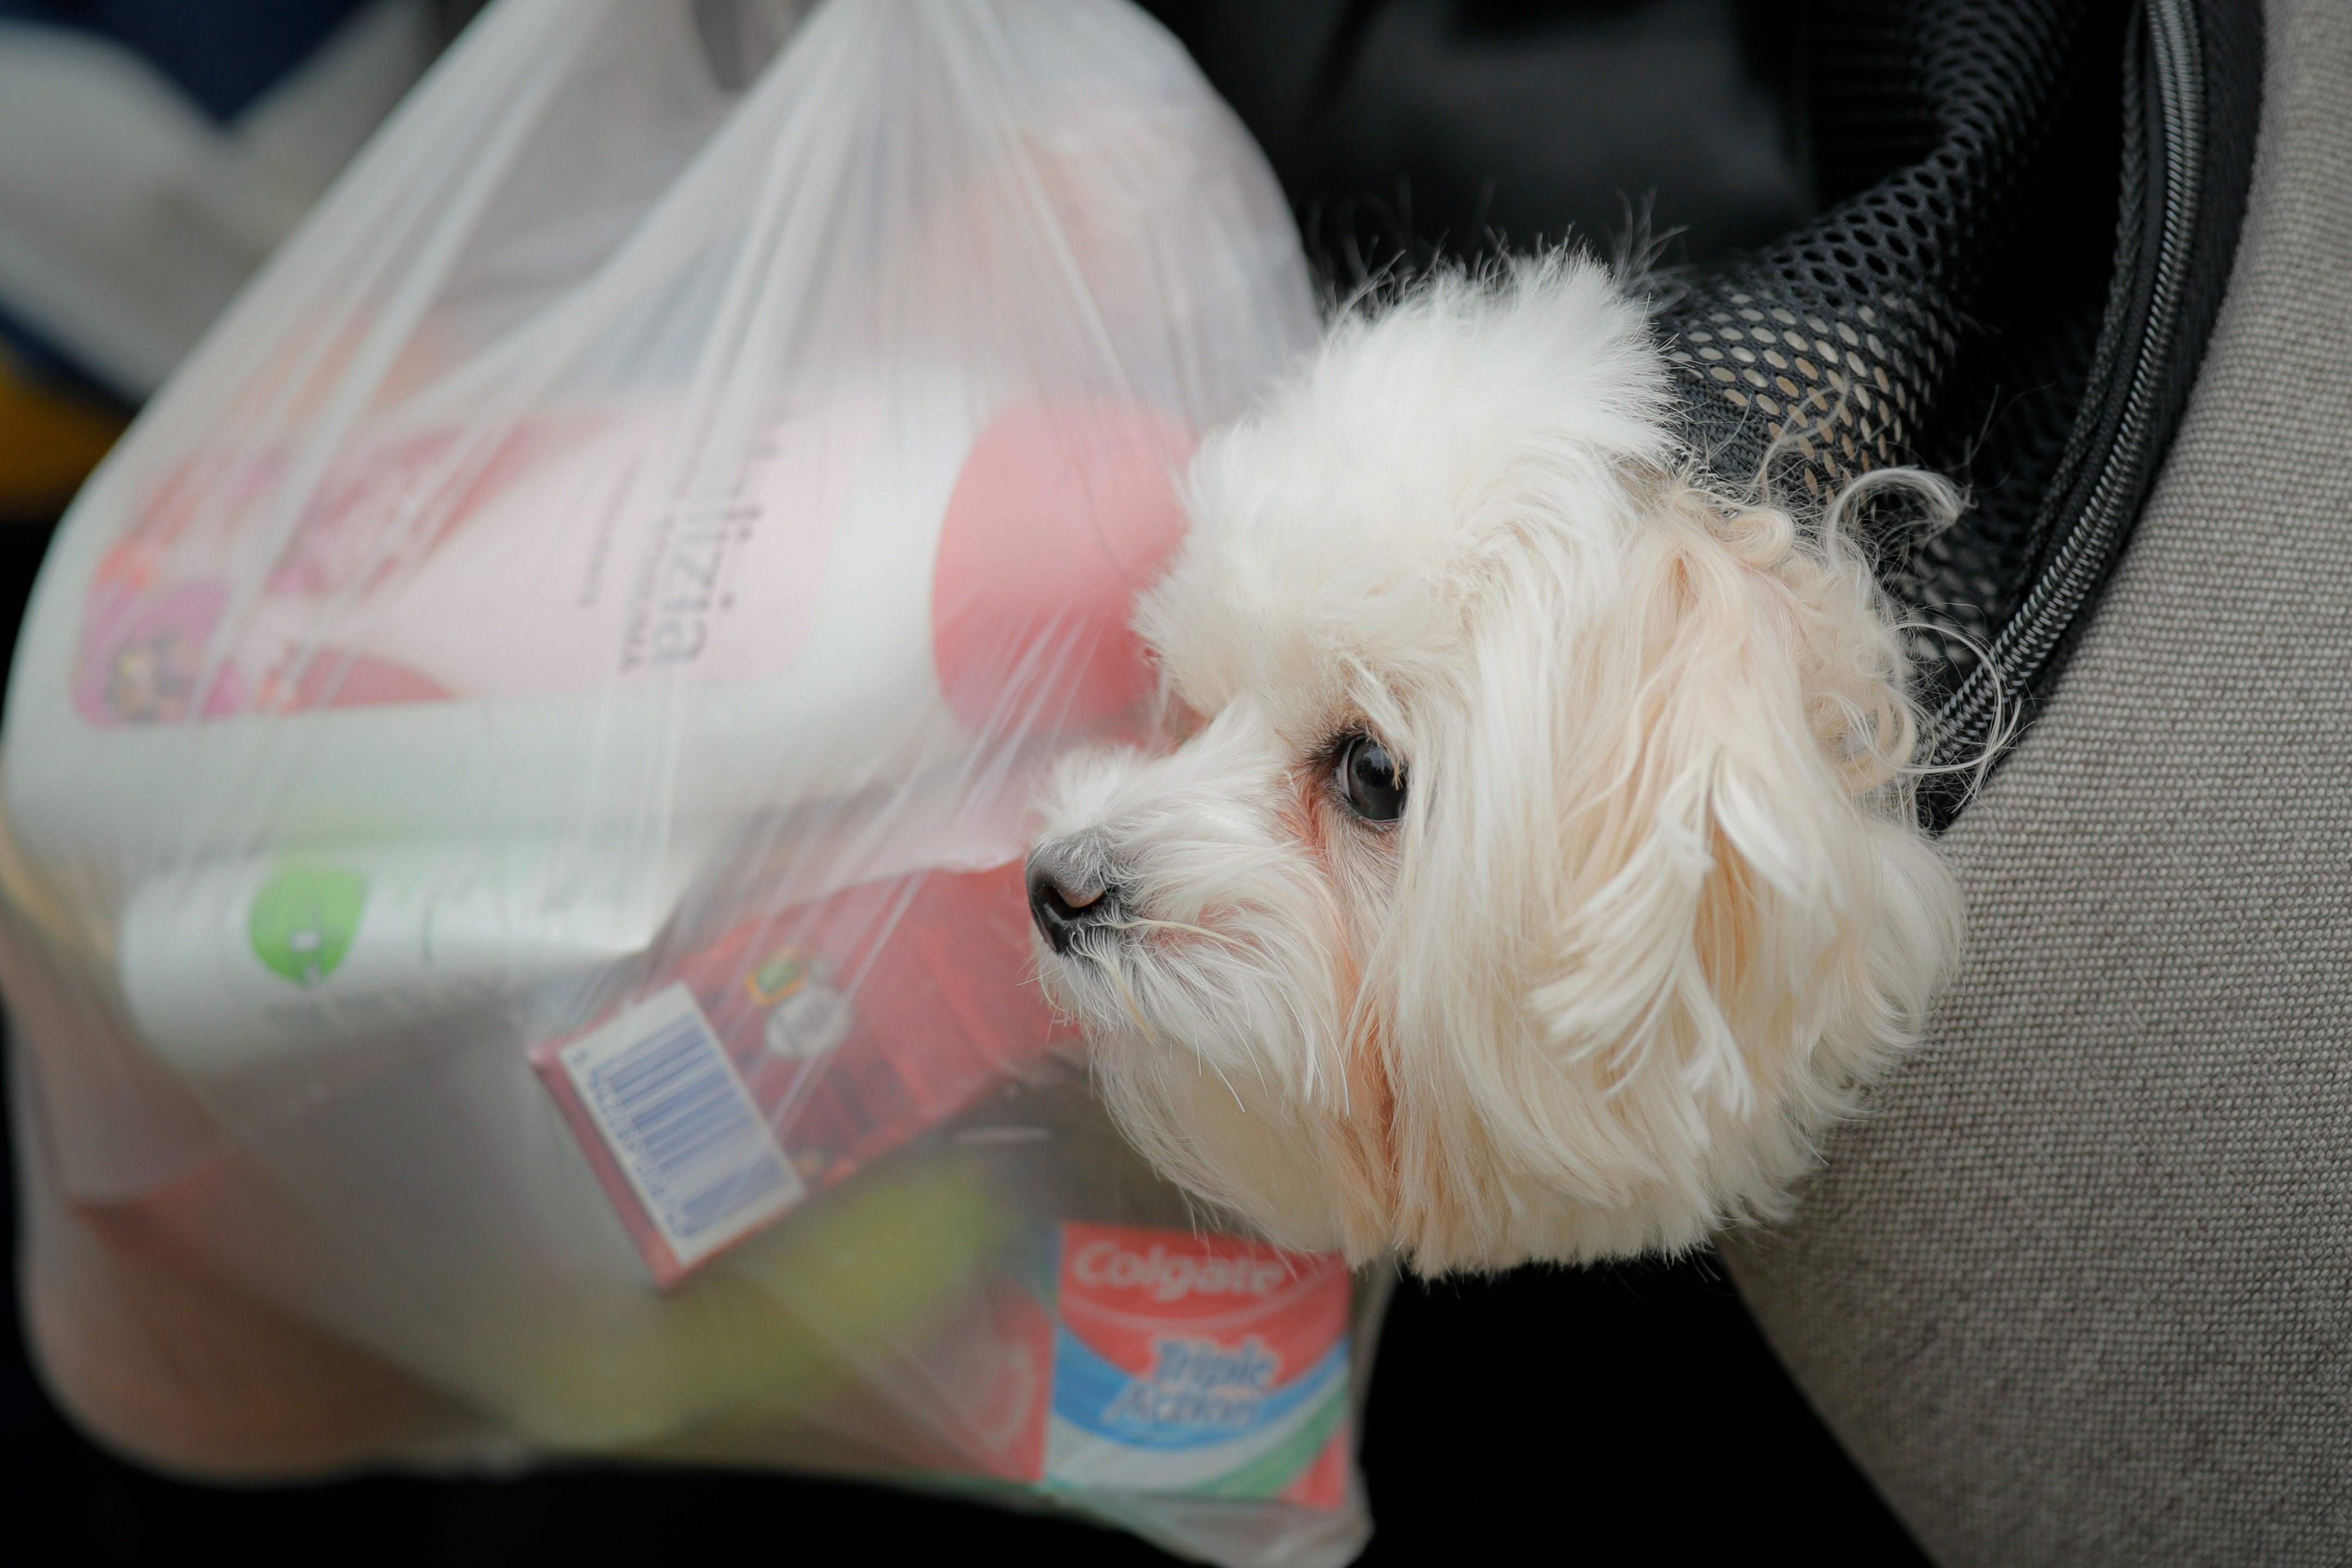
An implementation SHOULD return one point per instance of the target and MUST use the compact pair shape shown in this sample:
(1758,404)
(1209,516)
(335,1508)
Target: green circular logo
(304,919)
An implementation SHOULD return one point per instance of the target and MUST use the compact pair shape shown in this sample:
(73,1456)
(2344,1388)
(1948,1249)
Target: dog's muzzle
(1067,902)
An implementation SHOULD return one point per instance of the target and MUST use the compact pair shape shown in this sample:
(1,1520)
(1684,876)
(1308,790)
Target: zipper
(1977,719)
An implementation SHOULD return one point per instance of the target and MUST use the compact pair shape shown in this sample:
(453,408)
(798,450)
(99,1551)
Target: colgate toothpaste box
(1200,1365)
(1170,1362)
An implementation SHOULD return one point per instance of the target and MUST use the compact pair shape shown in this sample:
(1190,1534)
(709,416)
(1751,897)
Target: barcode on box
(681,1125)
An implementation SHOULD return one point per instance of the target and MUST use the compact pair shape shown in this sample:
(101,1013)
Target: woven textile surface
(2079,1288)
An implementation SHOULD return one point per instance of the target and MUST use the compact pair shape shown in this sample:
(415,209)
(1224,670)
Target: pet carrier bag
(1991,241)
(515,773)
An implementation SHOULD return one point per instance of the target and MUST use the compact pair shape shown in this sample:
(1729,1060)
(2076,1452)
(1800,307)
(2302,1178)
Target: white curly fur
(1656,906)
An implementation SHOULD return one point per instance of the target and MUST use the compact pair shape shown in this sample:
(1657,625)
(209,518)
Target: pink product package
(1205,1365)
(1173,1363)
(780,1059)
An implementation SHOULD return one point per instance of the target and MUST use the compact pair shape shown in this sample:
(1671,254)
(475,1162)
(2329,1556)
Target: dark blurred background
(1547,1412)
(1408,128)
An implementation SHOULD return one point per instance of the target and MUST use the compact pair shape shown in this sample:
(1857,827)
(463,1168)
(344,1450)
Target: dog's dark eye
(1370,780)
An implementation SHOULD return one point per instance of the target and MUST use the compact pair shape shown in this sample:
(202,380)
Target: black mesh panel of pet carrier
(2011,285)
(2022,215)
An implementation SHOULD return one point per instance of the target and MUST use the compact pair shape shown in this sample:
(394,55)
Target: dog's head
(1540,875)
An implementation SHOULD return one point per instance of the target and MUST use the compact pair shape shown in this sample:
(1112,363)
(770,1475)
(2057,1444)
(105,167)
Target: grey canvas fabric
(2079,1288)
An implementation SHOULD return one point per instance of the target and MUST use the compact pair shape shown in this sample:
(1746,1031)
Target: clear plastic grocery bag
(515,775)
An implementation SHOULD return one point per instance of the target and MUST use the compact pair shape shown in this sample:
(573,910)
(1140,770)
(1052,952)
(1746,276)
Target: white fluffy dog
(1542,873)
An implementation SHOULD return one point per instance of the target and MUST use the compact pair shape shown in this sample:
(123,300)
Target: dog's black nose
(1064,905)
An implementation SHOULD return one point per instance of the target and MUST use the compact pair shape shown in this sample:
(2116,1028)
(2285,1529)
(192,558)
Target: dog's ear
(1739,921)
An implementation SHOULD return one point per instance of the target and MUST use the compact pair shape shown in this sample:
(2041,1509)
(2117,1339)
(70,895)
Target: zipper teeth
(1970,714)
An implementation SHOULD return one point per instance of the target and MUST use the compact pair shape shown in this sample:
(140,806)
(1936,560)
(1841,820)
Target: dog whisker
(1118,979)
(1212,1067)
(1141,924)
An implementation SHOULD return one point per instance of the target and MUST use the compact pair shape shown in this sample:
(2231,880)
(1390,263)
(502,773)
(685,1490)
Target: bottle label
(433,567)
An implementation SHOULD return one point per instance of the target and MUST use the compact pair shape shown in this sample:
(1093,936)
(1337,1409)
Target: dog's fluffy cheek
(1243,1146)
(1235,1118)
(1312,1170)
(1242,1090)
